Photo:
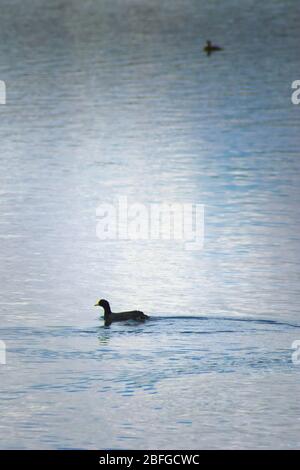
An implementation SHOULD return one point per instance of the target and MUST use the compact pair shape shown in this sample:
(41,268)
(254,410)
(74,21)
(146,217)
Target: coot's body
(209,48)
(110,317)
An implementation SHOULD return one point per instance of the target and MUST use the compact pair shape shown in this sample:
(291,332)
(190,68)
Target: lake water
(116,98)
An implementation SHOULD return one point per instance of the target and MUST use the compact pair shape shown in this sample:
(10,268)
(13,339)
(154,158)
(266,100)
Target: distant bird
(209,48)
(110,316)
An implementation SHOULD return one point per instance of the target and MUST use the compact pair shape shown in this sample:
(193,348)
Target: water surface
(116,98)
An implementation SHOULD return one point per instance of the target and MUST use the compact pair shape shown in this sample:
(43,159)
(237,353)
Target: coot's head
(102,303)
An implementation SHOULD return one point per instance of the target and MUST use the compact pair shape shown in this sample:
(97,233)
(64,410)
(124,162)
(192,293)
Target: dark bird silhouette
(110,316)
(209,48)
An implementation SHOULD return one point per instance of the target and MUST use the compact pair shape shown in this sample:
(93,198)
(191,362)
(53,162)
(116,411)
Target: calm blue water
(116,98)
